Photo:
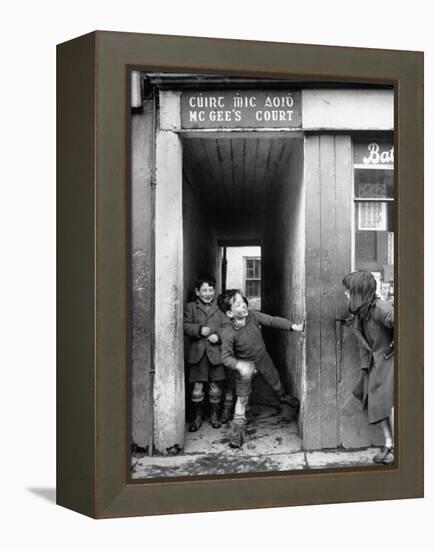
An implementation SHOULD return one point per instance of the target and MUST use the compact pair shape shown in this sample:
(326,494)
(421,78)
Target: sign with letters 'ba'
(241,109)
(373,153)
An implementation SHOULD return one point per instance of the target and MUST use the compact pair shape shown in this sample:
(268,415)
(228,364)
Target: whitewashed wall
(348,109)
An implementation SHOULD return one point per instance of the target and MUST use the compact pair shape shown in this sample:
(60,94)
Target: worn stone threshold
(272,444)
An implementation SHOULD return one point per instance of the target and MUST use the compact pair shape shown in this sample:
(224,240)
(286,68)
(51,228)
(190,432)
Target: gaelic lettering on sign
(241,109)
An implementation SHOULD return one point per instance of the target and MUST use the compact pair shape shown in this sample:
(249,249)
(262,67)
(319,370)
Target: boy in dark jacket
(243,350)
(203,323)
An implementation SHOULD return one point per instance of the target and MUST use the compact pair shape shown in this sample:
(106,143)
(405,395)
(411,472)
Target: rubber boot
(237,436)
(227,412)
(214,418)
(197,420)
(289,400)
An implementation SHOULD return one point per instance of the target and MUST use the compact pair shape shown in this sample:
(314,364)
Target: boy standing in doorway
(203,323)
(243,350)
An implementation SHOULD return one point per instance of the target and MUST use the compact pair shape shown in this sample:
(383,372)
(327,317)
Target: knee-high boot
(197,419)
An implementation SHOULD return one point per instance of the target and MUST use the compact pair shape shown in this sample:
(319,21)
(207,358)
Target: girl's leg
(387,432)
(386,456)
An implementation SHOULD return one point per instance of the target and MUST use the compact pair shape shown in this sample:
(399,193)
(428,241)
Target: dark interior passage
(244,191)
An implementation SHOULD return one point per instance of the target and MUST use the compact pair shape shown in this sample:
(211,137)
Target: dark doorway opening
(247,191)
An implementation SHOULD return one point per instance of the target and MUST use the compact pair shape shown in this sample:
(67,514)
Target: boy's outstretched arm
(277,322)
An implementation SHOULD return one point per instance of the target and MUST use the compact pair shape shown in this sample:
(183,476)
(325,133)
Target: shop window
(374,214)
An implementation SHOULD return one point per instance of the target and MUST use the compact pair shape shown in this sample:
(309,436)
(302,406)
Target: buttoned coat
(196,316)
(375,337)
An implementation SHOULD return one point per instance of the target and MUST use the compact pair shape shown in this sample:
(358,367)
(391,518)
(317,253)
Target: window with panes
(253,277)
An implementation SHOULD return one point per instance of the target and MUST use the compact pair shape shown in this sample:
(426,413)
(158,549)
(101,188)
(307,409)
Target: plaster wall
(348,109)
(141,273)
(168,387)
(236,269)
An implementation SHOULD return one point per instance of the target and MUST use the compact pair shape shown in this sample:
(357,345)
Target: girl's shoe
(384,456)
(390,456)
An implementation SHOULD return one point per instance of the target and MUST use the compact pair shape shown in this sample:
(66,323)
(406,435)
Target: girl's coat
(376,384)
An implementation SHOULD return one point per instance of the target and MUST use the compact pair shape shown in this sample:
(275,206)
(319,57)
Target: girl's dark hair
(363,292)
(224,301)
(200,279)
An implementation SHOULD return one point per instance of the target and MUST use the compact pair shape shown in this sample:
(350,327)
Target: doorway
(243,222)
(197,192)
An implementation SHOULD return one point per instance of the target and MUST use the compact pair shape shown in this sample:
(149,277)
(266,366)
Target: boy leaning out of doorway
(203,322)
(243,351)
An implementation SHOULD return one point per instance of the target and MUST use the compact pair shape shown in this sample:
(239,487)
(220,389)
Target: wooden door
(332,417)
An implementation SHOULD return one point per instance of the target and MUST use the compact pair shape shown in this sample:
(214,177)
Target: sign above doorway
(241,109)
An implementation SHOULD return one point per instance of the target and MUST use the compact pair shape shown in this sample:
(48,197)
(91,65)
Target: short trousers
(231,379)
(265,366)
(204,371)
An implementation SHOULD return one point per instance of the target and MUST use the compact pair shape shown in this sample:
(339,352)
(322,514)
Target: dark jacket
(246,342)
(375,334)
(375,338)
(196,316)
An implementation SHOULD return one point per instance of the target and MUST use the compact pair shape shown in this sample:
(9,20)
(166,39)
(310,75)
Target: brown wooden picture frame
(93,375)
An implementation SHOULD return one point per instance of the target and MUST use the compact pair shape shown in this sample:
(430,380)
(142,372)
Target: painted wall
(236,269)
(348,109)
(283,268)
(235,257)
(168,387)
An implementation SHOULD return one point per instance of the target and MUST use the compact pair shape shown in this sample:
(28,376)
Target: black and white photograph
(262,275)
(216,226)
